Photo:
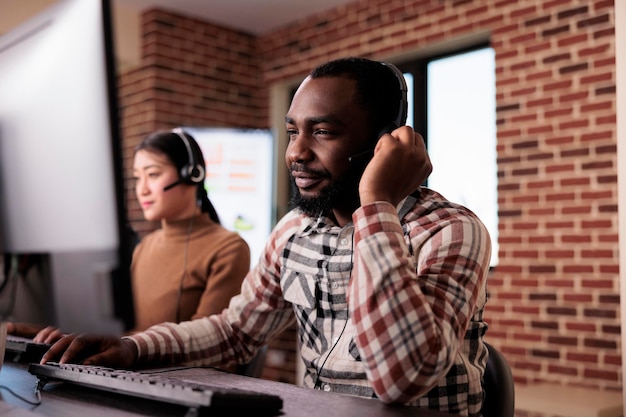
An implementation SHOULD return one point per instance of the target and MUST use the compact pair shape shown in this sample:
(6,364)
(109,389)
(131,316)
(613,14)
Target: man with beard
(385,279)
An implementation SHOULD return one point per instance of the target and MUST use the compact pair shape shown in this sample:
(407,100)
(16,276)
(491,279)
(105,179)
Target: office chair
(254,368)
(498,385)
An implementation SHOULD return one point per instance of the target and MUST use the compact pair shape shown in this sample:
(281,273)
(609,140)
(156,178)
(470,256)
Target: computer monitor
(62,204)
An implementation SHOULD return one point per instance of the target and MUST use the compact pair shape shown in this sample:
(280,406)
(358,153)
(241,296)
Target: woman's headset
(193,172)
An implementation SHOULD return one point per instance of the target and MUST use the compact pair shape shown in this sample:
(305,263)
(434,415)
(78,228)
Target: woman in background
(190,267)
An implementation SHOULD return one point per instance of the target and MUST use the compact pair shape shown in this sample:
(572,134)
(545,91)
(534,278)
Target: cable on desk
(26,400)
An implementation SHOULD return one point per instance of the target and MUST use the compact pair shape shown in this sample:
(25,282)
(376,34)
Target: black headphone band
(400,119)
(193,171)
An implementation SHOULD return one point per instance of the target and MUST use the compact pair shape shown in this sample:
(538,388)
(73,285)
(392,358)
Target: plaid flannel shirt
(389,306)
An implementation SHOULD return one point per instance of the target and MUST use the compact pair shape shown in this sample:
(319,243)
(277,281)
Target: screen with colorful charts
(240,168)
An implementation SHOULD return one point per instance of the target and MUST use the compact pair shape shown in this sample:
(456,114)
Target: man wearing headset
(386,279)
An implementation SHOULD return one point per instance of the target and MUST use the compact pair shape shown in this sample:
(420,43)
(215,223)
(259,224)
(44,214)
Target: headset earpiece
(403,108)
(361,159)
(193,172)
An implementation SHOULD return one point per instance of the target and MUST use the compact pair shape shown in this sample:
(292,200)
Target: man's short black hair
(377,87)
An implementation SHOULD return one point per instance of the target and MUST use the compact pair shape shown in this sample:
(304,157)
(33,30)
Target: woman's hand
(49,335)
(23,329)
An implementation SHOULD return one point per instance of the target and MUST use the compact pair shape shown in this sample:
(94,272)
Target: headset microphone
(365,156)
(172,185)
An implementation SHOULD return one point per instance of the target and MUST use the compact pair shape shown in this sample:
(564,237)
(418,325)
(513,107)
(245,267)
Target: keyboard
(23,349)
(201,397)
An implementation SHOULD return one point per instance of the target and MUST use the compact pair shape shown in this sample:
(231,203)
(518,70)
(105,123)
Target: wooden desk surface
(67,400)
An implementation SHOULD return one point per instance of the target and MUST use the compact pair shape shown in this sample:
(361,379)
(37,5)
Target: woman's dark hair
(171,145)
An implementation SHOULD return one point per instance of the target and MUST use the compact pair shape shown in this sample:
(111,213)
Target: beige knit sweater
(209,261)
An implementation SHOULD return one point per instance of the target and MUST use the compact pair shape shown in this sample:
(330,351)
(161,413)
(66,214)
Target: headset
(403,108)
(193,172)
(399,120)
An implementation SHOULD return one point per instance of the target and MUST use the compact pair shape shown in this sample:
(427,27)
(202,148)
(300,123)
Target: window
(454,100)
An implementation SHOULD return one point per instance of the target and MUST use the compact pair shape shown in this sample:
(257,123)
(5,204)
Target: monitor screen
(62,207)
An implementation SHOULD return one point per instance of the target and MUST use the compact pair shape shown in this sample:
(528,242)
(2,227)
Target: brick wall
(554,307)
(193,74)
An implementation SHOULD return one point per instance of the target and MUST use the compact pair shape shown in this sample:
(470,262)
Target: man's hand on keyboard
(88,349)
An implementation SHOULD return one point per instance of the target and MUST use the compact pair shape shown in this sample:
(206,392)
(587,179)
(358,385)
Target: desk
(67,400)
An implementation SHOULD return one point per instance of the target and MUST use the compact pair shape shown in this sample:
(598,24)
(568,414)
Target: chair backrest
(499,386)
(255,367)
